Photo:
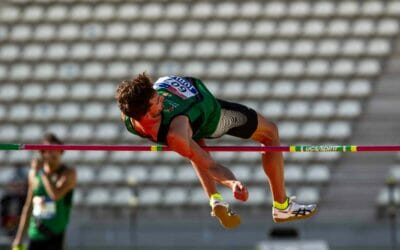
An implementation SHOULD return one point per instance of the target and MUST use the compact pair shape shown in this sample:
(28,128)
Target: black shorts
(236,120)
(54,243)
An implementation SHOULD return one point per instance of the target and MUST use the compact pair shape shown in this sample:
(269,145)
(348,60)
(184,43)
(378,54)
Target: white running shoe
(294,211)
(224,214)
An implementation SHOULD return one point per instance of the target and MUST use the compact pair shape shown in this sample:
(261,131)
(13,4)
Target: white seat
(203,10)
(56,91)
(20,112)
(6,174)
(93,70)
(372,8)
(226,10)
(20,156)
(299,9)
(194,68)
(8,133)
(113,112)
(347,8)
(80,51)
(128,10)
(224,157)
(301,157)
(229,49)
(116,31)
(279,48)
(165,30)
(45,71)
(312,130)
(129,50)
(323,109)
(104,11)
(10,13)
(307,195)
(240,29)
(161,174)
(298,110)
(349,109)
(197,197)
(343,67)
(242,172)
(61,130)
(243,68)
(175,196)
(141,67)
(273,109)
(384,197)
(368,67)
(80,12)
(180,49)
(57,51)
(393,8)
(3,112)
(78,197)
(330,157)
(107,131)
(257,89)
(123,197)
(294,173)
(176,11)
(318,174)
(69,32)
(93,111)
(268,68)
(250,9)
(122,156)
(308,89)
(33,52)
(20,32)
(338,28)
(388,27)
(289,28)
(254,48)
(152,11)
(205,49)
(85,174)
(215,29)
(191,29)
(94,156)
(313,28)
(288,130)
(218,69)
(9,52)
(69,111)
(303,48)
(353,47)
(31,133)
(258,196)
(171,157)
(232,90)
(149,197)
(339,130)
(9,92)
(72,157)
(110,174)
(81,132)
(259,175)
(283,89)
(363,27)
(68,71)
(98,196)
(186,174)
(33,92)
(20,72)
(104,50)
(379,47)
(334,88)
(105,91)
(153,50)
(323,9)
(359,88)
(45,32)
(141,30)
(137,174)
(317,68)
(56,12)
(265,28)
(328,47)
(275,9)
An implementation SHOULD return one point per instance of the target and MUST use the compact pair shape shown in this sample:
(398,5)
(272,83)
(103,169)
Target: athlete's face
(156,105)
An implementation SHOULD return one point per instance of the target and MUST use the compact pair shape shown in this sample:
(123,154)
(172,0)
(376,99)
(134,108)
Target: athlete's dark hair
(133,96)
(51,138)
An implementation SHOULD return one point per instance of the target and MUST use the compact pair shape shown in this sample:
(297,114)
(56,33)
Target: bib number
(177,86)
(43,207)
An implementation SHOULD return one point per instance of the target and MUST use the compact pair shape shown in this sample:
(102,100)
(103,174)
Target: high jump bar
(293,148)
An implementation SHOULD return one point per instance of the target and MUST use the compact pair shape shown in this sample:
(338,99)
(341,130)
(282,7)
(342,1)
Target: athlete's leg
(267,134)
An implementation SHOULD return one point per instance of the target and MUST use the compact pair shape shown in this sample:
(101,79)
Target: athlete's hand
(36,164)
(240,191)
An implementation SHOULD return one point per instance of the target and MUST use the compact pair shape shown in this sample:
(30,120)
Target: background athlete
(181,112)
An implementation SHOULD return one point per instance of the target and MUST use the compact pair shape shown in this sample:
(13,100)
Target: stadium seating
(307,65)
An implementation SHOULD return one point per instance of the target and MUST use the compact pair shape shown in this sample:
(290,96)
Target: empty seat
(116,31)
(323,109)
(318,174)
(218,69)
(20,32)
(152,11)
(8,133)
(298,110)
(372,8)
(98,196)
(33,52)
(61,130)
(368,67)
(273,109)
(275,9)
(71,157)
(265,28)
(257,89)
(69,32)
(10,13)
(279,48)
(313,28)
(338,27)
(202,10)
(20,72)
(347,8)
(80,51)
(68,111)
(107,131)
(180,49)
(80,12)
(259,196)
(104,50)
(242,172)
(161,174)
(175,196)
(57,51)
(81,132)
(105,91)
(268,68)
(141,30)
(294,173)
(393,8)
(32,92)
(176,10)
(149,197)
(363,27)
(9,52)
(250,9)
(359,88)
(339,130)
(122,156)
(323,9)
(103,11)
(128,10)
(288,130)
(6,175)
(110,174)
(45,71)
(317,68)
(388,27)
(56,12)
(308,89)
(312,130)
(254,48)
(20,112)
(165,30)
(85,175)
(93,70)
(303,48)
(45,32)
(308,195)
(379,47)
(93,111)
(343,68)
(240,29)
(123,197)
(334,88)
(153,50)
(94,156)
(9,92)
(215,29)
(353,47)
(229,49)
(137,174)
(232,90)
(31,133)
(186,174)
(289,28)
(191,29)
(205,49)
(197,197)
(328,47)
(283,89)
(56,91)
(349,109)
(243,68)
(299,9)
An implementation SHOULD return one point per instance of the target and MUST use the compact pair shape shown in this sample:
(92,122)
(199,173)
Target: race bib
(176,85)
(43,207)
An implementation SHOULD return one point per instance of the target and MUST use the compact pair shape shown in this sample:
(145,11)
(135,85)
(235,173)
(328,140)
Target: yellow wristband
(216,196)
(281,206)
(19,247)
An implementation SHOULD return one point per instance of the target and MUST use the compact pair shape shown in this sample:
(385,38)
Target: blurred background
(327,72)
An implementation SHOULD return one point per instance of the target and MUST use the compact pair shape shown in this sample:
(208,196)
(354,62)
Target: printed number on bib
(177,86)
(43,207)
